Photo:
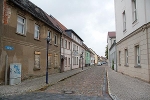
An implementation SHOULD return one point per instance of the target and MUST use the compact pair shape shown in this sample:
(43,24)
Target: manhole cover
(68,92)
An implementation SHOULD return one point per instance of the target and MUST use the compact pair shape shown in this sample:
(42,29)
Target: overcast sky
(90,19)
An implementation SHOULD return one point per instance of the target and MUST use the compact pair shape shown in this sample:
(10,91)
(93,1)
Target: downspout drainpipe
(147,39)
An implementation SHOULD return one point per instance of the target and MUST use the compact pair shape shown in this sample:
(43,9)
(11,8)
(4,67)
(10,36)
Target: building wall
(126,5)
(87,60)
(25,45)
(139,38)
(67,53)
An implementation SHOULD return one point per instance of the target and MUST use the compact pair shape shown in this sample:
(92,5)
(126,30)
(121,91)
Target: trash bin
(15,73)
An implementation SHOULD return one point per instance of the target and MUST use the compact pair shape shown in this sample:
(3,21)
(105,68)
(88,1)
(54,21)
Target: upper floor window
(61,42)
(134,10)
(55,37)
(124,21)
(21,25)
(119,58)
(37,32)
(66,44)
(69,45)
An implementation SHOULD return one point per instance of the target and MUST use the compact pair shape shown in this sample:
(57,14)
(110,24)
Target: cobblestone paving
(36,83)
(128,88)
(88,83)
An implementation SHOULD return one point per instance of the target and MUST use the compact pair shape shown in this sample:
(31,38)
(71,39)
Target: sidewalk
(123,87)
(37,83)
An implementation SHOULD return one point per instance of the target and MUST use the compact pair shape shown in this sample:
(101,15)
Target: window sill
(126,65)
(20,34)
(36,39)
(124,31)
(56,45)
(137,66)
(36,68)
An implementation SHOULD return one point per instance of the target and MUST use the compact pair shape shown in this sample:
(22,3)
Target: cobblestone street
(87,85)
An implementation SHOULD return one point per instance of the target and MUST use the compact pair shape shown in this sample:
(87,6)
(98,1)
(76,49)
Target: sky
(90,19)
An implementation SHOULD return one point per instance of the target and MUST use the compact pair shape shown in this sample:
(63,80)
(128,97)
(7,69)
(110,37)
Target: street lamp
(48,40)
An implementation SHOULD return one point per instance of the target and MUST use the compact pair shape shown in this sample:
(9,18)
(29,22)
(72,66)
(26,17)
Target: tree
(106,51)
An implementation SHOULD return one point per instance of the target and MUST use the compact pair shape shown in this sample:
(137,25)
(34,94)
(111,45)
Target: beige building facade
(25,33)
(133,38)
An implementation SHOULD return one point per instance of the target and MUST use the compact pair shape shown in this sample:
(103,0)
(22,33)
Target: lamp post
(48,40)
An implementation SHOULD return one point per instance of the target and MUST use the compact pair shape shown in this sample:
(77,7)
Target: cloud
(90,19)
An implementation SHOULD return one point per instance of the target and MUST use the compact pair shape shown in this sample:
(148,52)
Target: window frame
(37,30)
(55,39)
(126,57)
(137,55)
(24,25)
(134,10)
(124,21)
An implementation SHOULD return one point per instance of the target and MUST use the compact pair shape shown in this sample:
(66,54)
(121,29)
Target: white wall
(126,5)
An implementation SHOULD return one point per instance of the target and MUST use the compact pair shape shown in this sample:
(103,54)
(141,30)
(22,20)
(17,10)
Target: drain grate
(68,92)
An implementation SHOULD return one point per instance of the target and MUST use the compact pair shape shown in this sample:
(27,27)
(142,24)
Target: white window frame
(21,23)
(55,38)
(124,21)
(126,57)
(134,10)
(37,32)
(137,48)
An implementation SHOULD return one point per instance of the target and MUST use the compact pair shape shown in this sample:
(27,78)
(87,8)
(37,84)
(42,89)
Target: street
(87,85)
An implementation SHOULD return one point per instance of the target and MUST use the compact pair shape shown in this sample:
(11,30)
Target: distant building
(112,51)
(133,37)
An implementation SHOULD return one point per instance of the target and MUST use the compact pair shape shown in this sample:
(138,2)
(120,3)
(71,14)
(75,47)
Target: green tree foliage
(106,52)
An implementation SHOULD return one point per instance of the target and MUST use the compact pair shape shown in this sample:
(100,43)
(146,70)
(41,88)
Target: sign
(9,48)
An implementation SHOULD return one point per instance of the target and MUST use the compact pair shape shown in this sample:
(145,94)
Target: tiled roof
(34,10)
(112,34)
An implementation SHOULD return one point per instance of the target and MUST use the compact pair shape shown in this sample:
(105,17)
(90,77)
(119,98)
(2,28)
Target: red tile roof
(112,34)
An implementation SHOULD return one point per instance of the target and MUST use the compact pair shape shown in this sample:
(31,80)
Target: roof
(112,34)
(74,33)
(35,11)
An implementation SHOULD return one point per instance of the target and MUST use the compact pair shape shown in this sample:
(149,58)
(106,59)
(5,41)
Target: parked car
(99,64)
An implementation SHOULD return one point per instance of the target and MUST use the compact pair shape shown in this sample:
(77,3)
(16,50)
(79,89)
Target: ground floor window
(37,60)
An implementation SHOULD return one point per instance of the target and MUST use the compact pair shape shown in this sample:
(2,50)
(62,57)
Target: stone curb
(114,97)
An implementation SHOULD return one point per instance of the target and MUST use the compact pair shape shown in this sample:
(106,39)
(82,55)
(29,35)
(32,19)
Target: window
(36,32)
(73,47)
(126,56)
(134,10)
(56,60)
(21,25)
(77,60)
(49,60)
(119,58)
(66,44)
(37,60)
(77,48)
(49,34)
(137,55)
(66,61)
(124,21)
(55,39)
(69,61)
(69,45)
(61,42)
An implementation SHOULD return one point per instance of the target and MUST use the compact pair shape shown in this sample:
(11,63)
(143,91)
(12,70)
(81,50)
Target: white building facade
(77,50)
(133,37)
